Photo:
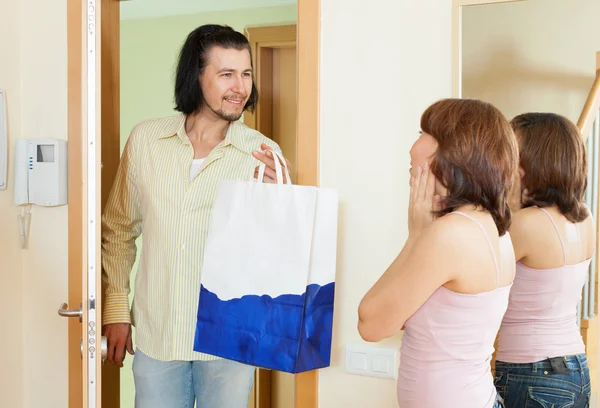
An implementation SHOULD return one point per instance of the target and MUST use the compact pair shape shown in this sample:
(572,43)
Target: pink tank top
(541,320)
(447,348)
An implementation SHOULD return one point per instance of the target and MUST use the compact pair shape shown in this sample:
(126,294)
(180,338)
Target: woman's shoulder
(526,219)
(466,220)
(464,228)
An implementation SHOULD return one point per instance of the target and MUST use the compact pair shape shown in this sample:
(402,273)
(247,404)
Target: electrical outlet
(372,361)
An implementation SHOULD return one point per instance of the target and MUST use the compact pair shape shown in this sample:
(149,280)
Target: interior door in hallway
(283,128)
(93,122)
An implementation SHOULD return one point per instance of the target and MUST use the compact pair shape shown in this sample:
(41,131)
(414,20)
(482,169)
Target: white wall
(11,270)
(33,281)
(535,55)
(382,64)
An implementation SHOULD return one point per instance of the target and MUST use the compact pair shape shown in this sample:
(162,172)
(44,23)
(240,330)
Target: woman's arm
(423,265)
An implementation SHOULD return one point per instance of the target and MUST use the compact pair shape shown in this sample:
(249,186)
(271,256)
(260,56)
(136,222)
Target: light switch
(381,364)
(372,361)
(358,361)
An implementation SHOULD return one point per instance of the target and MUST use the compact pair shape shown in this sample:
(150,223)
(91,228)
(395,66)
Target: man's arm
(121,225)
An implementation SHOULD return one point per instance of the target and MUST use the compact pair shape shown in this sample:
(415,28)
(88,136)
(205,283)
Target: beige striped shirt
(153,194)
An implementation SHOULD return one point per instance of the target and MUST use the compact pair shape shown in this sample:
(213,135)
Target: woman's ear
(440,189)
(521,172)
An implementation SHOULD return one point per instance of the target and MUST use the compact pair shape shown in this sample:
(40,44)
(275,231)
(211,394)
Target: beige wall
(11,269)
(381,66)
(535,55)
(33,281)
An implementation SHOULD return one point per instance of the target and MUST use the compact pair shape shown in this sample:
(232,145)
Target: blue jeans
(560,382)
(499,402)
(178,384)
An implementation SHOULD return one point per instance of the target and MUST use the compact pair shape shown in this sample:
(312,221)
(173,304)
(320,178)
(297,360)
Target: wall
(390,69)
(33,70)
(381,66)
(11,269)
(535,55)
(149,50)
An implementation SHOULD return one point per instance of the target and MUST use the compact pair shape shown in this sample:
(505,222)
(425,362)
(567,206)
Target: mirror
(533,55)
(538,56)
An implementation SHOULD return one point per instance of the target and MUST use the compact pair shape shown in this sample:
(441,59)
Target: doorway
(306,158)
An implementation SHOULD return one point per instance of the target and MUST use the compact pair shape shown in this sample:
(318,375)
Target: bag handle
(278,170)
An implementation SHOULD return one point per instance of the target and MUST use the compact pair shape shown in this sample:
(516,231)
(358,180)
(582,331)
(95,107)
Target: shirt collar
(237,134)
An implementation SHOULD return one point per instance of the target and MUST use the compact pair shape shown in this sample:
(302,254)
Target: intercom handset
(41,172)
(40,178)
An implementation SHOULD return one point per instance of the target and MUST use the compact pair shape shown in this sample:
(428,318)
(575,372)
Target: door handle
(103,348)
(65,312)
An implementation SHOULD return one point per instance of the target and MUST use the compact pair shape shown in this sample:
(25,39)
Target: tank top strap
(487,238)
(562,244)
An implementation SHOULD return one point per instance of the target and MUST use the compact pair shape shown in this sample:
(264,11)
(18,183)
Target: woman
(449,285)
(539,343)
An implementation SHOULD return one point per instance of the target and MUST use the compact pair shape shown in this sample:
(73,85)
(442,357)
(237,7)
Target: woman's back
(541,319)
(448,343)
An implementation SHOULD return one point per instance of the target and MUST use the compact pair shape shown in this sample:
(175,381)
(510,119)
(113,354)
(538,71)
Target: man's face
(227,82)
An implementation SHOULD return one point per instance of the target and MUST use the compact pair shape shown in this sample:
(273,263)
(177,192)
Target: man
(165,188)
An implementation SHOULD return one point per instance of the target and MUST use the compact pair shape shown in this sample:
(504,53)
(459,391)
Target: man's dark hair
(193,59)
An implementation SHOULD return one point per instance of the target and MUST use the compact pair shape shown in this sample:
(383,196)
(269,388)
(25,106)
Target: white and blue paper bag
(268,275)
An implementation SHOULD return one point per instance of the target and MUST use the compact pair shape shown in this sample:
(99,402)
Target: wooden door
(93,95)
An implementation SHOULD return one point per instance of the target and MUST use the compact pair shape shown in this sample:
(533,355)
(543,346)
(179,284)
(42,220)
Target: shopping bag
(268,275)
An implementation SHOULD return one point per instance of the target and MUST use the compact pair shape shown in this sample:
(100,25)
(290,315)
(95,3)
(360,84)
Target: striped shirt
(153,194)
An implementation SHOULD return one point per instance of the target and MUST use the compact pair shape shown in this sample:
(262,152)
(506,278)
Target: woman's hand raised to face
(423,201)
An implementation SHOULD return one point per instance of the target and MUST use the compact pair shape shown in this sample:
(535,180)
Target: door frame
(307,131)
(75,195)
(263,41)
(107,46)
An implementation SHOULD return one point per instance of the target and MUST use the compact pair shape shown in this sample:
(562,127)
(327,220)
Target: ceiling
(138,9)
